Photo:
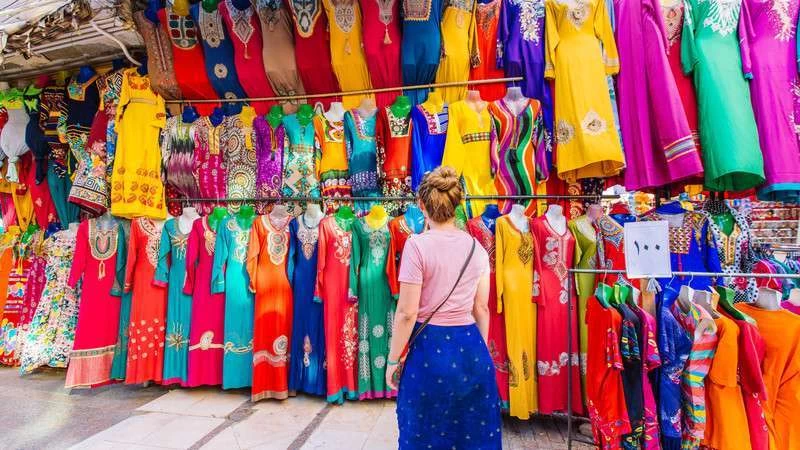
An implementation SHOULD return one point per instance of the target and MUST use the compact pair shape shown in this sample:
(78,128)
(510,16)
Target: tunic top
(381,21)
(333,164)
(459,47)
(359,132)
(300,159)
(218,53)
(487,17)
(160,66)
(278,51)
(177,151)
(393,135)
(209,167)
(428,134)
(238,140)
(311,46)
(52,105)
(347,49)
(269,154)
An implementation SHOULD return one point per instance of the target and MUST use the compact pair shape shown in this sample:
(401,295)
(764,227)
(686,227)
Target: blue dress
(359,133)
(307,365)
(229,275)
(171,273)
(422,44)
(428,134)
(218,53)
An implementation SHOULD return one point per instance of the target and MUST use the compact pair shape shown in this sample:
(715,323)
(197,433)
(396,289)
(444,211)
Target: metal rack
(569,416)
(323,198)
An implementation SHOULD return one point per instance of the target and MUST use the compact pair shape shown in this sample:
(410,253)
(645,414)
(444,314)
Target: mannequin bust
(515,101)
(189,114)
(345,213)
(794,297)
(703,298)
(85,73)
(489,216)
(594,212)
(209,6)
(555,217)
(142,69)
(335,113)
(377,217)
(434,103)
(248,115)
(274,116)
(313,215)
(245,216)
(367,107)
(186,219)
(216,217)
(305,113)
(519,219)
(769,299)
(474,97)
(73,227)
(280,215)
(106,221)
(216,116)
(415,219)
(401,106)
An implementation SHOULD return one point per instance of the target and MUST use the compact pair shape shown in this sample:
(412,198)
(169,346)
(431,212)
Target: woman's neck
(450,225)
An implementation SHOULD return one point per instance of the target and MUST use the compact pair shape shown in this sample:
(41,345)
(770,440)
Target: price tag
(647,250)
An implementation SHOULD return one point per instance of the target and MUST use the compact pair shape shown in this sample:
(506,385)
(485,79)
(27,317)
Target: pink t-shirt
(433,259)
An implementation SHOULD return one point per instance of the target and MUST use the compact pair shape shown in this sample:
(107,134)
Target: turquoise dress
(171,273)
(359,132)
(300,159)
(120,363)
(229,275)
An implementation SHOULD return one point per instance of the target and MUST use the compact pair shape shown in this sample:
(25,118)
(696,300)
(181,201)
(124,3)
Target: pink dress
(208,310)
(651,361)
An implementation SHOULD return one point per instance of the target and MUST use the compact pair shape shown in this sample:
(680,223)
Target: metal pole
(383,198)
(569,358)
(699,274)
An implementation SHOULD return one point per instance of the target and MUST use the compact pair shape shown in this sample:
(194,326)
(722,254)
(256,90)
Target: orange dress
(726,419)
(266,266)
(781,367)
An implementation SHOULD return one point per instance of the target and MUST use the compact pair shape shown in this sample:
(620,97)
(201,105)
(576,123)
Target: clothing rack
(347,93)
(570,417)
(324,198)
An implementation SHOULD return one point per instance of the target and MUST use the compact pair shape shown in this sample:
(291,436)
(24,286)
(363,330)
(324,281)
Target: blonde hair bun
(440,193)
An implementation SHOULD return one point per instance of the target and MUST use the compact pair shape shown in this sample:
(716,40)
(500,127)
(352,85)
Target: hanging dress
(311,48)
(206,330)
(422,45)
(712,51)
(459,47)
(278,52)
(588,142)
(359,136)
(34,134)
(467,149)
(51,107)
(370,289)
(487,18)
(497,325)
(229,276)
(583,230)
(160,65)
(171,274)
(428,137)
(93,265)
(18,284)
(218,54)
(239,143)
(347,49)
(119,366)
(301,158)
(210,169)
(136,188)
(333,165)
(147,330)
(267,267)
(340,314)
(519,156)
(307,368)
(651,360)
(736,250)
(270,144)
(393,135)
(177,150)
(382,40)
(399,231)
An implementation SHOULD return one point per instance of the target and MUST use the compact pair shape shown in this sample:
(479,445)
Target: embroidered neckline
(77,90)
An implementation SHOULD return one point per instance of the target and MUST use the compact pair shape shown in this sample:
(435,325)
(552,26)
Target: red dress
(487,16)
(148,304)
(497,328)
(187,56)
(95,261)
(751,356)
(380,20)
(341,315)
(244,29)
(673,21)
(43,207)
(399,231)
(393,136)
(553,257)
(312,48)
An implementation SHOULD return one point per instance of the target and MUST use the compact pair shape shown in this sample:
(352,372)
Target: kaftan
(736,250)
(89,190)
(311,47)
(52,106)
(382,40)
(586,237)
(347,49)
(269,154)
(35,137)
(229,276)
(18,284)
(580,52)
(306,372)
(393,135)
(359,135)
(267,268)
(467,149)
(207,324)
(96,332)
(177,150)
(553,257)
(171,274)
(301,157)
(459,47)
(487,18)
(515,282)
(278,52)
(147,330)
(209,167)
(341,315)
(238,141)
(333,165)
(422,44)
(160,65)
(428,137)
(217,52)
(399,231)
(119,365)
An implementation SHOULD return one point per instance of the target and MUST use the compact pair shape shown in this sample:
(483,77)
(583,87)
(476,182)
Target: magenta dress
(209,167)
(651,361)
(770,26)
(208,310)
(659,148)
(269,153)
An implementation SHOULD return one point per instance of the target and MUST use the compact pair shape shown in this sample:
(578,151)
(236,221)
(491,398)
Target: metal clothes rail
(323,198)
(570,307)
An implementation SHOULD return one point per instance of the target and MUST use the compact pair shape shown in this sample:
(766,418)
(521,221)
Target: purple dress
(659,148)
(770,27)
(269,153)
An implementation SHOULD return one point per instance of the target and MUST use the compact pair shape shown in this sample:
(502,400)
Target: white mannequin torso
(335,113)
(555,217)
(186,219)
(518,218)
(515,101)
(768,299)
(313,215)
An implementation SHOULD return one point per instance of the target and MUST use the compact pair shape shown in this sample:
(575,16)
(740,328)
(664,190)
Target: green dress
(120,363)
(710,49)
(370,288)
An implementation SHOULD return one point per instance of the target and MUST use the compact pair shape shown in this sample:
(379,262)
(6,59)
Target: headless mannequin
(305,113)
(794,297)
(367,108)
(279,215)
(186,219)
(73,227)
(401,106)
(594,212)
(434,103)
(189,114)
(209,5)
(768,299)
(555,217)
(248,115)
(151,12)
(142,69)
(231,108)
(515,101)
(245,216)
(313,215)
(335,113)
(106,221)
(415,219)
(475,101)
(216,116)
(274,116)
(85,73)
(377,217)
(216,217)
(519,219)
(703,298)
(490,216)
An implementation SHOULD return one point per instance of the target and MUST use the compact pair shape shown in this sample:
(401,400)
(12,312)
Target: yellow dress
(587,139)
(347,49)
(459,47)
(332,166)
(514,280)
(136,187)
(467,149)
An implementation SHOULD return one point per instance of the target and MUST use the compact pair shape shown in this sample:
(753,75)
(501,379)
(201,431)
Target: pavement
(36,412)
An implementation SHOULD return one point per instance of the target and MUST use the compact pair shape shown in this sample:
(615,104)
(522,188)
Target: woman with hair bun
(448,396)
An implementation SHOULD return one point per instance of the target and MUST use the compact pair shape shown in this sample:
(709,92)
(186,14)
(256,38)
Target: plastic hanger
(726,296)
(603,293)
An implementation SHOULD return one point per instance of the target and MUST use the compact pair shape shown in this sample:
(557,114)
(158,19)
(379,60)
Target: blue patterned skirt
(448,395)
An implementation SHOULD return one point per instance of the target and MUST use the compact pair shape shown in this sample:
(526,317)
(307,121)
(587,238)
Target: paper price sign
(647,250)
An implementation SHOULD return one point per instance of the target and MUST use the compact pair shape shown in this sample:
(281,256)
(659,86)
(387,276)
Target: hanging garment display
(278,51)
(311,46)
(218,54)
(400,228)
(238,141)
(206,332)
(110,86)
(136,188)
(487,18)
(18,285)
(35,138)
(210,170)
(428,136)
(160,65)
(519,153)
(341,315)
(631,368)
(52,106)
(731,153)
(347,49)
(588,143)
(307,367)
(735,246)
(359,135)
(44,210)
(393,136)
(469,135)
(230,277)
(333,164)
(33,291)
(370,290)
(382,41)
(751,356)
(270,145)
(651,360)
(586,236)
(301,159)
(94,265)
(459,47)
(178,154)
(119,366)
(422,44)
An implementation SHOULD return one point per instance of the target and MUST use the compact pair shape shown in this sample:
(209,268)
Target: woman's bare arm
(480,311)
(404,319)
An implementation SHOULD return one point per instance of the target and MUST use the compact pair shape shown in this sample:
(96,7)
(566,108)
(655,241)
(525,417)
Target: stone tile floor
(36,413)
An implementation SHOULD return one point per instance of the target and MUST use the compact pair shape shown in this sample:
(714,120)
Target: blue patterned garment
(359,133)
(428,134)
(448,395)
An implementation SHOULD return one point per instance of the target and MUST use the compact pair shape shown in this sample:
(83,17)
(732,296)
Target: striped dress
(700,325)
